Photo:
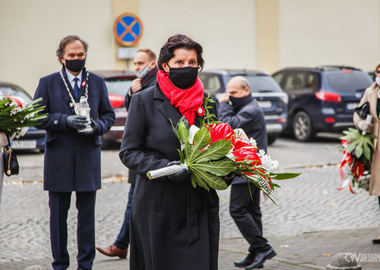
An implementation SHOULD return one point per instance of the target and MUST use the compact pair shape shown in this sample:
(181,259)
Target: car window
(260,83)
(118,87)
(278,77)
(210,82)
(13,90)
(348,82)
(311,80)
(294,80)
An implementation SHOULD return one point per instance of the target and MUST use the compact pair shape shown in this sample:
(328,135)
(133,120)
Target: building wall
(320,32)
(252,34)
(30,32)
(224,28)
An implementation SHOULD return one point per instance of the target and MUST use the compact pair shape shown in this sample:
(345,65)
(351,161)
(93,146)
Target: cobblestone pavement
(309,204)
(311,222)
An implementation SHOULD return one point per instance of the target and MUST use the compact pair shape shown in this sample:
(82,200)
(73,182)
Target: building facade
(251,34)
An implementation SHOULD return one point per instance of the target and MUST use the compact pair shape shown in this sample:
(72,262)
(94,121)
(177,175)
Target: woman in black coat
(173,224)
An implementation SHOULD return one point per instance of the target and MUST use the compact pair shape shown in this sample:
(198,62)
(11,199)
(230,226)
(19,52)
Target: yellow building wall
(267,24)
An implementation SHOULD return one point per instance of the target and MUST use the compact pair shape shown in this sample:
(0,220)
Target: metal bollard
(343,261)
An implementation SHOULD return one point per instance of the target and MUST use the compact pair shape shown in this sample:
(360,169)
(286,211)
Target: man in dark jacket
(240,110)
(72,151)
(146,70)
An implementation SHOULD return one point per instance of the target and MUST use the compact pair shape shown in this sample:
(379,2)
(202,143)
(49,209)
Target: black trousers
(59,204)
(247,215)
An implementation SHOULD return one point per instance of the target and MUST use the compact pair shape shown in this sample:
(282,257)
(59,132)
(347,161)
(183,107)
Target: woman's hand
(179,176)
(365,126)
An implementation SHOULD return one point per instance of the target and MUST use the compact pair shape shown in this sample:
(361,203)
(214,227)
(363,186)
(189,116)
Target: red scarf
(188,102)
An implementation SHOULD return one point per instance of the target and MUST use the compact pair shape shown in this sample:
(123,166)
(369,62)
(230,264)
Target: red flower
(247,153)
(240,144)
(201,111)
(18,102)
(357,169)
(221,131)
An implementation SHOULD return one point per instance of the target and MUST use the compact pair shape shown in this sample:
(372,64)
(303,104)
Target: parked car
(321,98)
(267,92)
(118,83)
(372,75)
(34,139)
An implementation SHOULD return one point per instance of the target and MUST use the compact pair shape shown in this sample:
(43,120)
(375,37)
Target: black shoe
(247,261)
(261,258)
(376,241)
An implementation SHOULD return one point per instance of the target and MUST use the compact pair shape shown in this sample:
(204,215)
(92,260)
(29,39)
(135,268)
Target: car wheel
(272,138)
(302,127)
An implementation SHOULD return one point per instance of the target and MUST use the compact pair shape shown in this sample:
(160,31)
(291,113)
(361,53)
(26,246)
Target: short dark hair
(152,56)
(66,40)
(179,41)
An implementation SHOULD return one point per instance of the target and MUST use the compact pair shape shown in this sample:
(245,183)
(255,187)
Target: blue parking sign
(128,29)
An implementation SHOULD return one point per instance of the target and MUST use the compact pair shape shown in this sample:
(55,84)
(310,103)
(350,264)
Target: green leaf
(218,168)
(182,132)
(358,143)
(215,151)
(197,179)
(283,176)
(202,138)
(212,181)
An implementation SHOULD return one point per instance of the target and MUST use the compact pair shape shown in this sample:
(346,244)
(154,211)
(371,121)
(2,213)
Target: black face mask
(75,65)
(183,78)
(238,102)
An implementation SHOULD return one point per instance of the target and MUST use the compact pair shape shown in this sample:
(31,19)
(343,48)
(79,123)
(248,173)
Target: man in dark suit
(244,112)
(146,70)
(72,151)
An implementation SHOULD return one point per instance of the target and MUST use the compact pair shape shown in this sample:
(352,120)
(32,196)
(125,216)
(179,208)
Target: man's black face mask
(75,65)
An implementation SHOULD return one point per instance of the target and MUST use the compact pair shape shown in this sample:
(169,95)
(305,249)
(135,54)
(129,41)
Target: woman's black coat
(173,225)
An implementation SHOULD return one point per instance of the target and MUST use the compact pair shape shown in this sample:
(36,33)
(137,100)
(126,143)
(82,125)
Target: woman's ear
(165,66)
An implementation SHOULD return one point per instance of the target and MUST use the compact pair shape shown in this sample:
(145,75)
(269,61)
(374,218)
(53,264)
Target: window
(311,80)
(278,77)
(349,82)
(211,83)
(294,80)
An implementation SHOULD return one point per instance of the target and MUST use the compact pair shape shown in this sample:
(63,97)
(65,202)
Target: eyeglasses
(377,71)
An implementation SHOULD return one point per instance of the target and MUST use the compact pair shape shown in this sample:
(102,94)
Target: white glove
(365,126)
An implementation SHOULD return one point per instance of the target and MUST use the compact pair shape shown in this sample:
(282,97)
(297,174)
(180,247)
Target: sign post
(128,30)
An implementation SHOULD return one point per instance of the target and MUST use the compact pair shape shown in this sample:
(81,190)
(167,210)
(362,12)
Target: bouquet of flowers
(15,116)
(215,150)
(357,156)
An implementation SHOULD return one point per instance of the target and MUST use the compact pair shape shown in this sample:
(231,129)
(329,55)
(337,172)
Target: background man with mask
(146,70)
(72,156)
(240,110)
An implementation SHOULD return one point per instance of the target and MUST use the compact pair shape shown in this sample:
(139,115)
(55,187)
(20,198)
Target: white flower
(268,164)
(192,131)
(252,142)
